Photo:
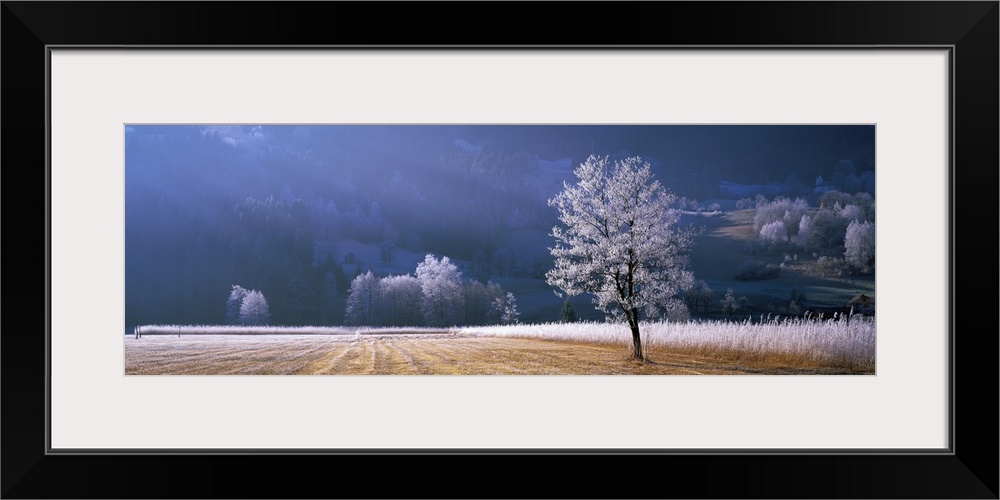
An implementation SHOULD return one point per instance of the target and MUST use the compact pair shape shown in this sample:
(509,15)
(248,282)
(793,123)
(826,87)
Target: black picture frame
(968,470)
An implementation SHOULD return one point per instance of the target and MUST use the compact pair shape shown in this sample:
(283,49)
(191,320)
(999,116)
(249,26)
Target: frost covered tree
(677,312)
(362,300)
(399,298)
(620,241)
(507,307)
(254,309)
(698,292)
(441,285)
(479,300)
(493,292)
(852,213)
(234,303)
(805,229)
(859,245)
(781,210)
(822,231)
(774,232)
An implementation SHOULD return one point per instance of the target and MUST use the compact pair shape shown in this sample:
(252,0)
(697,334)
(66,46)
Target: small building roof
(861,299)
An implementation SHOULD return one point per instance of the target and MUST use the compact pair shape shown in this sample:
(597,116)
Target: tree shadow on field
(713,369)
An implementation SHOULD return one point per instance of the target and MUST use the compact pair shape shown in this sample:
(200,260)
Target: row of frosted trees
(843,225)
(436,296)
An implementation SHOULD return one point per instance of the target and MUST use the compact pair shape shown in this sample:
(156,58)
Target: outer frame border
(968,469)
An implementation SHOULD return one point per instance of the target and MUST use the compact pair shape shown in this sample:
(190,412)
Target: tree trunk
(636,342)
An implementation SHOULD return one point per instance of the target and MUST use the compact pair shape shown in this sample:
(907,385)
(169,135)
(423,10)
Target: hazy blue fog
(297,211)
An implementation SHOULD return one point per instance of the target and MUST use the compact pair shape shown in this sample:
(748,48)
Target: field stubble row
(596,348)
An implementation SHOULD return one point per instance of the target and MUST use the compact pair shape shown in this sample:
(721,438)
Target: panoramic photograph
(261,249)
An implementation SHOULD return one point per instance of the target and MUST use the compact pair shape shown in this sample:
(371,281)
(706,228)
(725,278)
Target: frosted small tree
(507,307)
(493,292)
(254,309)
(859,245)
(729,303)
(441,285)
(620,241)
(362,300)
(234,303)
(568,313)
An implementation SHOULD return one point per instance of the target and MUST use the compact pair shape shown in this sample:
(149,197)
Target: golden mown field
(420,354)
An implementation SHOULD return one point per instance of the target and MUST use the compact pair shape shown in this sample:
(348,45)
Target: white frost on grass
(825,342)
(829,343)
(242,330)
(280,330)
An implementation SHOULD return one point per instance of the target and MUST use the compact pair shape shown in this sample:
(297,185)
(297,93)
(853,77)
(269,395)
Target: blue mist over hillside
(298,211)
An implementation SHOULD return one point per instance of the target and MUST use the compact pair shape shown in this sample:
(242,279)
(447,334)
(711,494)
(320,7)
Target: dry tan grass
(424,354)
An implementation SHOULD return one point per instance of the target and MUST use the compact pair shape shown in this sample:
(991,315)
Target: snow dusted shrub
(774,232)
